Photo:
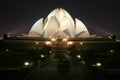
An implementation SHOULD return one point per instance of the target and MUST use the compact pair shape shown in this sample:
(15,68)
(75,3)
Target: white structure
(59,24)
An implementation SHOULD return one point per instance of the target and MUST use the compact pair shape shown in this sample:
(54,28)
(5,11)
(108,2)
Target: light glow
(50,52)
(78,56)
(53,39)
(81,43)
(36,42)
(98,64)
(26,63)
(69,42)
(42,56)
(64,39)
(47,42)
(68,52)
(111,51)
(7,50)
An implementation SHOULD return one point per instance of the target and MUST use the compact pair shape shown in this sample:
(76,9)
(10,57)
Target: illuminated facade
(58,24)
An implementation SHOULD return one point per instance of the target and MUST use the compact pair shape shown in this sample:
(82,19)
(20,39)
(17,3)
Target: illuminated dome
(59,24)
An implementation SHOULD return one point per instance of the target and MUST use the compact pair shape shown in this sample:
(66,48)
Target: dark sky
(100,16)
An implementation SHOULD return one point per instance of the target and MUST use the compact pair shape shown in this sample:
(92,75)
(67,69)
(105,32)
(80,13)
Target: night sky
(99,16)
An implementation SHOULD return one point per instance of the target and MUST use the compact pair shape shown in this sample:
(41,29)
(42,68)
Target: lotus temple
(59,24)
